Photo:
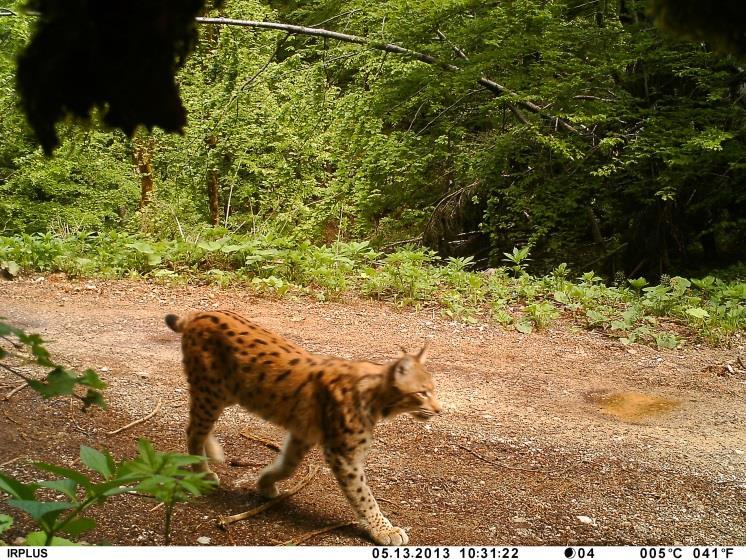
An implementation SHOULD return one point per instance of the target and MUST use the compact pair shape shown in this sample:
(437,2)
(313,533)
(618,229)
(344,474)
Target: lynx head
(411,388)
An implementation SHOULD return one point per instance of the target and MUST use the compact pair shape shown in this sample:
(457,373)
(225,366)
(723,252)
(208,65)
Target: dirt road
(563,437)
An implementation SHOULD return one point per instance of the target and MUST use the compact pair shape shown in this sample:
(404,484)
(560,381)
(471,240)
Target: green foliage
(153,474)
(160,476)
(276,266)
(327,141)
(318,147)
(519,259)
(29,348)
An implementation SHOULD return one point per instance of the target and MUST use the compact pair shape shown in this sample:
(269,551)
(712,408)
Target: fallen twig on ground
(225,521)
(310,534)
(497,463)
(14,391)
(269,443)
(243,463)
(10,461)
(139,421)
(384,500)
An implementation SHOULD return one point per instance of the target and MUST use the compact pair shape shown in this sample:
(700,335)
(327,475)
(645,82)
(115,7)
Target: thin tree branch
(16,373)
(343,14)
(139,420)
(295,541)
(462,55)
(250,81)
(15,390)
(491,85)
(459,53)
(444,111)
(268,443)
(593,98)
(416,114)
(223,522)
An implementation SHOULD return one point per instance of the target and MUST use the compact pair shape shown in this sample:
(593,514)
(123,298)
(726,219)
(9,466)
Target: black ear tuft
(173,322)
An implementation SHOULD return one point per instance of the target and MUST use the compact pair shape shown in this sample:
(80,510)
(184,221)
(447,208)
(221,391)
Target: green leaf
(10,267)
(147,453)
(39,510)
(6,329)
(562,298)
(667,340)
(114,490)
(72,474)
(228,249)
(17,489)
(6,522)
(638,283)
(90,378)
(78,525)
(102,463)
(697,312)
(39,538)
(37,348)
(595,317)
(209,245)
(141,247)
(524,326)
(67,486)
(93,398)
(58,382)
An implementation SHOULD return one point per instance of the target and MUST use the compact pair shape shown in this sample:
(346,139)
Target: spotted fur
(320,400)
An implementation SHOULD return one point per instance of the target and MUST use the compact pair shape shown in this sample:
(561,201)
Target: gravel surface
(562,437)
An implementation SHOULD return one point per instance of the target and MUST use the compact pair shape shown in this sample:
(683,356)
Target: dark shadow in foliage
(722,23)
(120,56)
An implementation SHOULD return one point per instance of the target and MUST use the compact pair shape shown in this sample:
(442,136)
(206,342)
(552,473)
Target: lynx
(320,400)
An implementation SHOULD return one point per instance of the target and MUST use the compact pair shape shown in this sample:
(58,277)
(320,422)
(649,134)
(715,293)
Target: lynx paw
(390,536)
(209,475)
(267,489)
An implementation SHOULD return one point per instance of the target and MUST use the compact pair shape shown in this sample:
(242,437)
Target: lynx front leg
(202,417)
(351,477)
(283,466)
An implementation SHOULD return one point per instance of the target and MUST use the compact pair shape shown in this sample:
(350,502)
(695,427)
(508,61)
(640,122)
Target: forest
(505,180)
(617,149)
(621,149)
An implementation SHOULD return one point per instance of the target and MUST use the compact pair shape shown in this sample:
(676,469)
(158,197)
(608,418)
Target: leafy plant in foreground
(160,476)
(59,381)
(152,474)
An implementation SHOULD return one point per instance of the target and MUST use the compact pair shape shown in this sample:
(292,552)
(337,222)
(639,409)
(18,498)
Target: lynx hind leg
(202,418)
(293,451)
(351,477)
(214,450)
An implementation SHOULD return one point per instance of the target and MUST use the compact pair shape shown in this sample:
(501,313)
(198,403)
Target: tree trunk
(213,195)
(143,156)
(213,182)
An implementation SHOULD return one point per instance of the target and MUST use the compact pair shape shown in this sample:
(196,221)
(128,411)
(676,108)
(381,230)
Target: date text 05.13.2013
(446,553)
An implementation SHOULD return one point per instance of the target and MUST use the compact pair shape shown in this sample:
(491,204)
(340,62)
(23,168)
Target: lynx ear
(422,356)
